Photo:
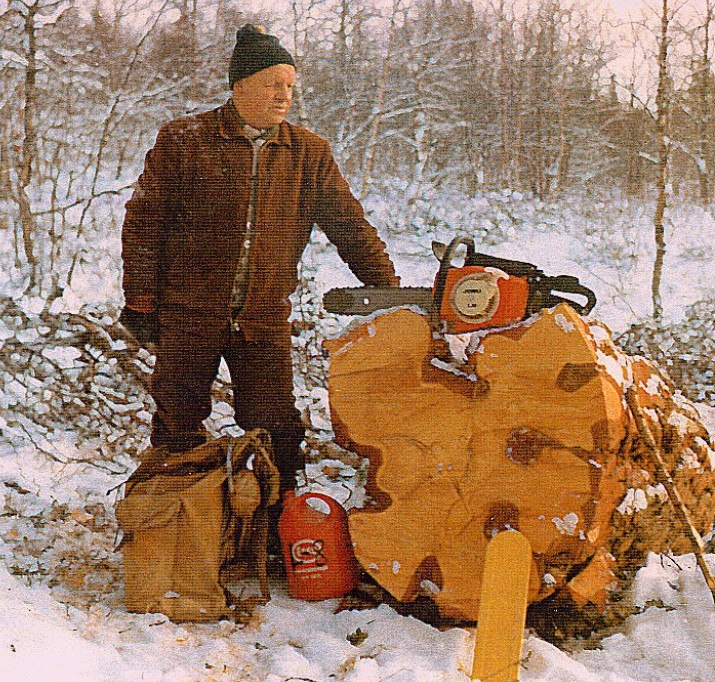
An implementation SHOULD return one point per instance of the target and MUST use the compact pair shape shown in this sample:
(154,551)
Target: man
(212,236)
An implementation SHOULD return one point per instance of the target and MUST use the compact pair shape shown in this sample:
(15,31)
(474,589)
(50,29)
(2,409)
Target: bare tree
(662,124)
(695,114)
(506,91)
(28,156)
(87,100)
(300,20)
(28,22)
(704,91)
(379,101)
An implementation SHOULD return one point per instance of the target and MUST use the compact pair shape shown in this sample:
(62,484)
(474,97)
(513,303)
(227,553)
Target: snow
(37,641)
(564,324)
(41,639)
(63,356)
(57,496)
(567,525)
(667,642)
(635,500)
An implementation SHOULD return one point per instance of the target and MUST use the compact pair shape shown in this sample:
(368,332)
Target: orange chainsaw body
(477,297)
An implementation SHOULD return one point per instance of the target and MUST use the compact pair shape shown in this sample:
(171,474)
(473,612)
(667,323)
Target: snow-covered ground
(56,512)
(43,639)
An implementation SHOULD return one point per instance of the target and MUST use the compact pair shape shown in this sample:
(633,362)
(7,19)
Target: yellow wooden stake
(502,608)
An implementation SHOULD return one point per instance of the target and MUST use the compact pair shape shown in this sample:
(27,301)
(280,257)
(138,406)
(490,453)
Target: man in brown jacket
(212,236)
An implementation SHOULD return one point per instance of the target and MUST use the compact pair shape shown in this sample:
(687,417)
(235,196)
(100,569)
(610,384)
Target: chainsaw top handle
(445,263)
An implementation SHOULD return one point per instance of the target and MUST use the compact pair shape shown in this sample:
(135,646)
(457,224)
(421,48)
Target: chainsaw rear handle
(543,296)
(570,284)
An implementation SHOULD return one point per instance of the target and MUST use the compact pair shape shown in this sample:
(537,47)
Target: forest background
(543,97)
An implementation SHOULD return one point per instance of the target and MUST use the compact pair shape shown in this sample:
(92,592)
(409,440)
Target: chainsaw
(484,292)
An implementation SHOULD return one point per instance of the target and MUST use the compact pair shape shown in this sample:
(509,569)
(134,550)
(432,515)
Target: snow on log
(520,428)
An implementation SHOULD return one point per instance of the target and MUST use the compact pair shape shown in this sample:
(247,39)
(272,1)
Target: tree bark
(704,94)
(662,106)
(29,144)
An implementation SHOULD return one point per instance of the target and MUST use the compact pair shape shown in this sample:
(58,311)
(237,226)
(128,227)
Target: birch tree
(662,105)
(26,23)
(88,105)
(378,105)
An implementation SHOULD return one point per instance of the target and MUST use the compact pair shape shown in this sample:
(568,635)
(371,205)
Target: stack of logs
(525,428)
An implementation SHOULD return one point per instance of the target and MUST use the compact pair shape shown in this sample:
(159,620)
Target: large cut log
(521,428)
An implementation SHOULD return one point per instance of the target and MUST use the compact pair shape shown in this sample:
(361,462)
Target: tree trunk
(564,156)
(663,153)
(376,114)
(508,156)
(528,430)
(704,95)
(29,146)
(298,98)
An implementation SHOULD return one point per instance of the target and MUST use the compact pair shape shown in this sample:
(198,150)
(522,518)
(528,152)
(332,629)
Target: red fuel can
(317,550)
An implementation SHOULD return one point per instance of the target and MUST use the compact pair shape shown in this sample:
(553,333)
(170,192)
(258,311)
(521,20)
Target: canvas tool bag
(193,520)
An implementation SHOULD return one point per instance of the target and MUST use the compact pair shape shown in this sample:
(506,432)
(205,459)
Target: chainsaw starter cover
(476,297)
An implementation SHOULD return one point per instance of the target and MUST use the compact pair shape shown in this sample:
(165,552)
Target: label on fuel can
(307,556)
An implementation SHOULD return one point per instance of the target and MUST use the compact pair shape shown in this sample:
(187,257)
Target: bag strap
(257,445)
(268,478)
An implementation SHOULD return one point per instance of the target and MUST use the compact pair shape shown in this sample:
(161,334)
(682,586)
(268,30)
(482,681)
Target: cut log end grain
(529,432)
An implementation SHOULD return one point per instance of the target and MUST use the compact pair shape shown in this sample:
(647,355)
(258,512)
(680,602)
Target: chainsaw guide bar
(366,300)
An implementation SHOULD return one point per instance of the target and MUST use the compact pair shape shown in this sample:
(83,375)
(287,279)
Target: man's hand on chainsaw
(144,327)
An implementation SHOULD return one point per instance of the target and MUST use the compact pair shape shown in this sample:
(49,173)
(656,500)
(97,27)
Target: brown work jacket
(185,222)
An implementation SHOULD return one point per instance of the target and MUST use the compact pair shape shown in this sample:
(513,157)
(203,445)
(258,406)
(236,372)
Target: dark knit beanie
(255,50)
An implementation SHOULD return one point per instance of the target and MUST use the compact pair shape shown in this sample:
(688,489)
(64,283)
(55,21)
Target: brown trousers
(187,362)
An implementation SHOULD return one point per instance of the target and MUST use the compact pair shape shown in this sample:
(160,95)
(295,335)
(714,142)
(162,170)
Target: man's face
(263,99)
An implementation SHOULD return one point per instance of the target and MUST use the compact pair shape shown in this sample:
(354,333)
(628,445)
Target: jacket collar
(229,126)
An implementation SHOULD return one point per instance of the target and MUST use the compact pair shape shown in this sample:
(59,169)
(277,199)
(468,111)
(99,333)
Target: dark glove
(144,327)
